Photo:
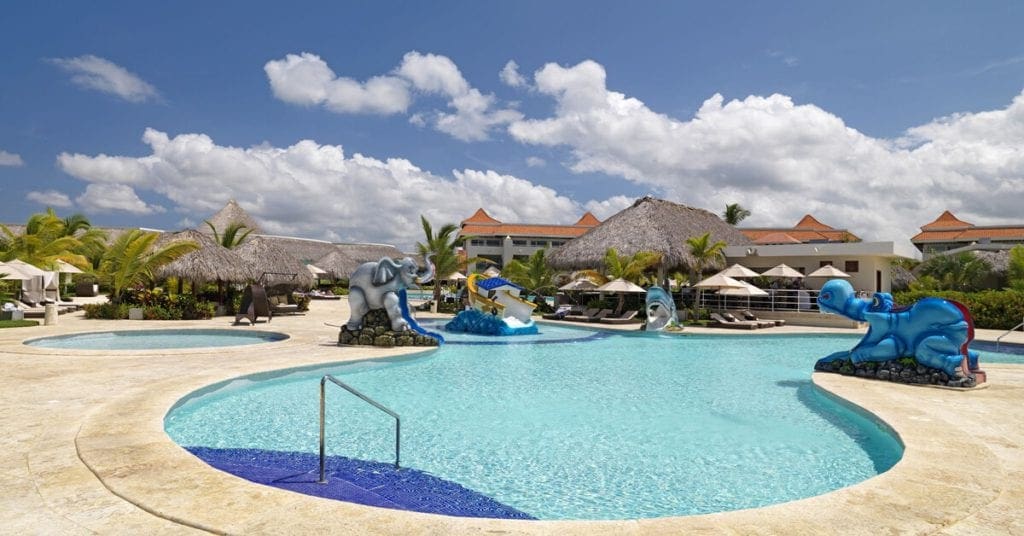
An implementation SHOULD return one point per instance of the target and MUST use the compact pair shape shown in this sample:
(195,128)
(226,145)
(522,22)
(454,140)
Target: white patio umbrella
(738,271)
(783,271)
(620,285)
(317,272)
(579,284)
(492,272)
(747,290)
(828,271)
(67,268)
(717,281)
(455,276)
(26,268)
(12,273)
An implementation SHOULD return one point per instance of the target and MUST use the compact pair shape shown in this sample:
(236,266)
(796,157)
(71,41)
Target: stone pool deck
(84,451)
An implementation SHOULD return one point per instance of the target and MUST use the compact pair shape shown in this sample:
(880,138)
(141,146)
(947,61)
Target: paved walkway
(85,451)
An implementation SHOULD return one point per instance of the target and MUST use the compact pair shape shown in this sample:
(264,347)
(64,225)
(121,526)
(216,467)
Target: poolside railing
(802,300)
(372,402)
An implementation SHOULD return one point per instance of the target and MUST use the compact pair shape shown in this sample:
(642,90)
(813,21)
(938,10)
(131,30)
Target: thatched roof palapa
(211,262)
(338,264)
(265,257)
(370,252)
(231,213)
(306,250)
(649,225)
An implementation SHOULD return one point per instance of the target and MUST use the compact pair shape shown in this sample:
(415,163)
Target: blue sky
(872,116)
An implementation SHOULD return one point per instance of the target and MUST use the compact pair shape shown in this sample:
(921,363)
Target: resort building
(806,231)
(869,264)
(502,242)
(947,232)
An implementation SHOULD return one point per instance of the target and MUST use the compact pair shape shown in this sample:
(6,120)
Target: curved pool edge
(259,336)
(125,446)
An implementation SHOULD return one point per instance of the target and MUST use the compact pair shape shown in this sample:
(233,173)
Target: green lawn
(18,323)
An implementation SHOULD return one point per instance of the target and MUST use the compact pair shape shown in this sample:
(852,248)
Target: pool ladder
(1009,331)
(372,402)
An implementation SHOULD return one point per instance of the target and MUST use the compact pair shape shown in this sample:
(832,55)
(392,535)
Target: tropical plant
(734,214)
(1015,270)
(440,248)
(961,271)
(534,274)
(131,260)
(704,252)
(46,239)
(231,237)
(632,268)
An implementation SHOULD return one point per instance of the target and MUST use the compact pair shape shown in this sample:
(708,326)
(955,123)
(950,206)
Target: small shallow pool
(157,339)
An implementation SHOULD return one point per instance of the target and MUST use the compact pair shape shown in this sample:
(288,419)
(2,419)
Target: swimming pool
(618,427)
(154,339)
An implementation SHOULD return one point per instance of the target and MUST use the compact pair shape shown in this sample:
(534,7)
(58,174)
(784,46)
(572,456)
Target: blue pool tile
(357,481)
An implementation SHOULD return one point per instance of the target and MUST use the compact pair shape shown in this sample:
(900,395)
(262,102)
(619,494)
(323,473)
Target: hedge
(991,309)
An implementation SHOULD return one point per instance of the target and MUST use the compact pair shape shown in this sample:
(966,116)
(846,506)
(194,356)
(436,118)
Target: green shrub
(991,309)
(156,305)
(106,311)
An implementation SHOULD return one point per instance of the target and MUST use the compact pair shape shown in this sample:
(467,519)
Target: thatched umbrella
(211,262)
(649,225)
(271,265)
(338,263)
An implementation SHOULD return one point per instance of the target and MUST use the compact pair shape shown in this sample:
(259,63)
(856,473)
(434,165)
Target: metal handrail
(1009,331)
(374,403)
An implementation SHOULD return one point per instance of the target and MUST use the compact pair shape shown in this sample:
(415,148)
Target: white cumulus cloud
(50,198)
(100,74)
(106,197)
(510,75)
(10,159)
(305,79)
(535,161)
(308,189)
(766,152)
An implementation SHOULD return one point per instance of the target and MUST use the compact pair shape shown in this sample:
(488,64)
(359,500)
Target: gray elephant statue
(376,285)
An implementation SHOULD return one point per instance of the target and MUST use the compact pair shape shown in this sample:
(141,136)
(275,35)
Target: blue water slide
(403,303)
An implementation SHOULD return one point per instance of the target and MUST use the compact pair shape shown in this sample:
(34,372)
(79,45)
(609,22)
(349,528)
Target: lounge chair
(720,322)
(254,305)
(279,305)
(582,317)
(760,323)
(627,317)
(600,314)
(562,312)
(751,316)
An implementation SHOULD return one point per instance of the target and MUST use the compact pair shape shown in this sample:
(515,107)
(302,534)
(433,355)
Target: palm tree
(734,214)
(704,253)
(131,261)
(534,275)
(631,268)
(230,239)
(1015,270)
(440,249)
(44,241)
(963,271)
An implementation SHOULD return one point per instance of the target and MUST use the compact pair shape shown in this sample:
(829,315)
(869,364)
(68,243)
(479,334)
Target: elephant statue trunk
(425,275)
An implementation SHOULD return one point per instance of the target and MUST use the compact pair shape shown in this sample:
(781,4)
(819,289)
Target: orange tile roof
(810,222)
(482,224)
(777,238)
(480,216)
(946,220)
(524,229)
(588,219)
(949,228)
(808,229)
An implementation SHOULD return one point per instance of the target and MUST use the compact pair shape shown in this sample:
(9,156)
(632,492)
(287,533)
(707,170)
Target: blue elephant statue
(934,331)
(378,285)
(661,309)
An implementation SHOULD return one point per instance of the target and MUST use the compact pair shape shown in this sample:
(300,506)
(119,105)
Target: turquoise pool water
(154,339)
(624,426)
